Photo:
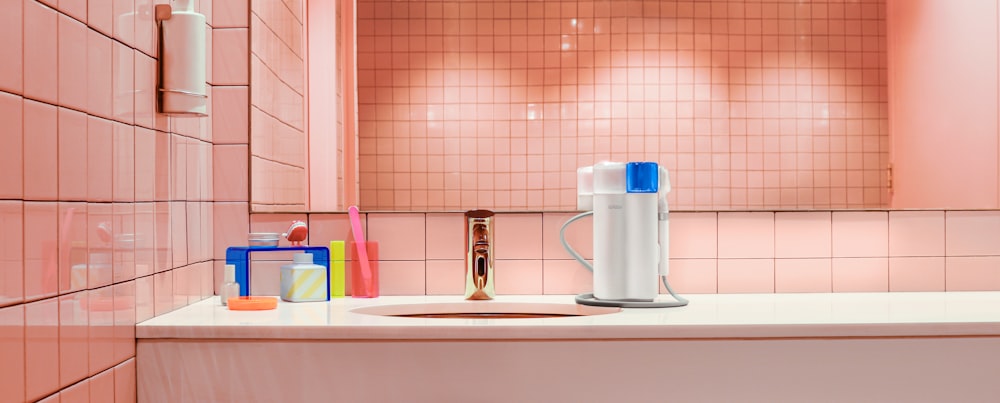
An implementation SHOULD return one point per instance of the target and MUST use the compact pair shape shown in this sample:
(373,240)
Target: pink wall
(751,104)
(711,252)
(278,158)
(946,152)
(107,208)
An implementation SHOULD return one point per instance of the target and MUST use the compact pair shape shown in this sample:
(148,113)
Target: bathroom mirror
(494,104)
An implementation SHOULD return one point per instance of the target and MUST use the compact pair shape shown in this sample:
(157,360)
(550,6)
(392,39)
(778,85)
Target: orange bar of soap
(252,303)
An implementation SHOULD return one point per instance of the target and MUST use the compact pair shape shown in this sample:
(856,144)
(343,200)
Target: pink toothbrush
(359,242)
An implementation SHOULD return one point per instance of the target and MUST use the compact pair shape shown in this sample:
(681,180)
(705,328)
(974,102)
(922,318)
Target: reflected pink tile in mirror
(11,252)
(40,52)
(41,347)
(100,241)
(73,248)
(74,347)
(124,307)
(41,277)
(100,307)
(12,346)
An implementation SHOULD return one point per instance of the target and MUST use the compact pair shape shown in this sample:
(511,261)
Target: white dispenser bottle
(183,56)
(610,229)
(642,241)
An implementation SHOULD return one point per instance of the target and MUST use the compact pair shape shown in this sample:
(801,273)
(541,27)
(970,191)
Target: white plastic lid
(585,188)
(303,258)
(609,178)
(229,274)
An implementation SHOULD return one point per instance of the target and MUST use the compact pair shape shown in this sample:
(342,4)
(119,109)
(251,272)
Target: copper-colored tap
(479,255)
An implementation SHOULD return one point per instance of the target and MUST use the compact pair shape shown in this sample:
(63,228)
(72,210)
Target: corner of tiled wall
(107,206)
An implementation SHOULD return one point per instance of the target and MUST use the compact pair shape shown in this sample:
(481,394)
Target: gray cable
(589,299)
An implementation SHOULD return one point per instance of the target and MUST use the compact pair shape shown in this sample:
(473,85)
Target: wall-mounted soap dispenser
(182,67)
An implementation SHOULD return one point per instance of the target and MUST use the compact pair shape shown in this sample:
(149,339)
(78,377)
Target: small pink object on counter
(296,233)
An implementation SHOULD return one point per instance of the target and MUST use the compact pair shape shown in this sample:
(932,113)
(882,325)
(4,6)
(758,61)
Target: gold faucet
(479,255)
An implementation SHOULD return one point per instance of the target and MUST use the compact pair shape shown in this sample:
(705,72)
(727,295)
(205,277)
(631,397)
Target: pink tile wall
(724,252)
(277,103)
(750,104)
(97,195)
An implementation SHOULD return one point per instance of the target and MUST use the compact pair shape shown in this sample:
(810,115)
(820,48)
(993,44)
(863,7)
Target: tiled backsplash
(757,104)
(724,252)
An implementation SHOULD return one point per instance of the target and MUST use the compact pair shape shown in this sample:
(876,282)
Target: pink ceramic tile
(231,223)
(445,277)
(163,292)
(11,253)
(41,348)
(125,387)
(230,14)
(73,250)
(100,307)
(11,54)
(72,157)
(11,145)
(72,59)
(122,83)
(99,16)
(229,56)
(517,236)
(99,78)
(972,233)
(41,52)
(123,12)
(12,349)
(75,9)
(445,236)
(693,235)
(230,166)
(102,387)
(145,239)
(99,159)
(324,228)
(145,90)
(123,245)
(162,160)
(143,298)
(692,276)
(100,241)
(916,273)
(145,164)
(179,233)
(124,320)
(972,273)
(163,258)
(860,234)
(746,275)
(860,274)
(123,164)
(566,277)
(802,234)
(40,173)
(518,277)
(78,393)
(73,344)
(401,277)
(230,114)
(400,236)
(916,233)
(40,245)
(204,244)
(746,235)
(802,275)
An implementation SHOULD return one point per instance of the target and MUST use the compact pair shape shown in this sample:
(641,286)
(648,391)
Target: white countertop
(709,316)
